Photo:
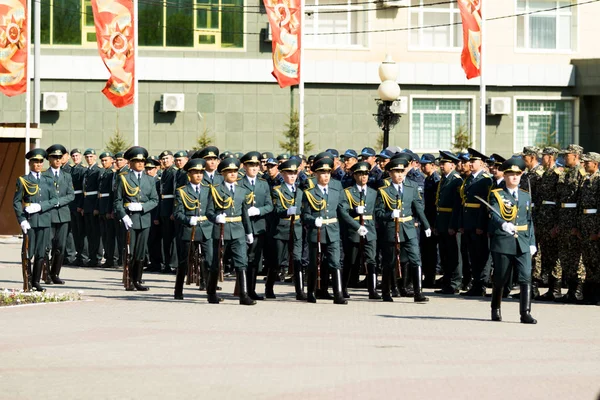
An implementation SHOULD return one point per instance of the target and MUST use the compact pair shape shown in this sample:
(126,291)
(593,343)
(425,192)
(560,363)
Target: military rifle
(25,262)
(126,259)
(191,272)
(361,245)
(221,251)
(397,242)
(291,245)
(318,258)
(45,267)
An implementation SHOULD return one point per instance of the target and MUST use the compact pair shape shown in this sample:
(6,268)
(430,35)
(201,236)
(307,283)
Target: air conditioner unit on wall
(400,106)
(172,102)
(268,33)
(54,101)
(393,3)
(499,106)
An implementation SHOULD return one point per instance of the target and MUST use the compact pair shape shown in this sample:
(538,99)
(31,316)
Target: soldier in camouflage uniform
(587,223)
(569,244)
(543,220)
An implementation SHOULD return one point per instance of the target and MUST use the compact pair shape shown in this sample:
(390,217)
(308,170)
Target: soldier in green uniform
(228,206)
(77,221)
(565,228)
(358,202)
(398,202)
(446,222)
(473,221)
(167,220)
(287,201)
(210,154)
(513,239)
(191,202)
(33,201)
(320,215)
(135,198)
(155,237)
(260,206)
(544,216)
(89,208)
(122,167)
(60,214)
(105,210)
(588,227)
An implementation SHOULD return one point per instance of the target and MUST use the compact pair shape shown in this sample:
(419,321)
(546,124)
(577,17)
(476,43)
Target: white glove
(253,211)
(396,214)
(249,238)
(427,232)
(33,208)
(318,222)
(362,231)
(127,222)
(532,250)
(25,227)
(193,221)
(291,210)
(135,207)
(360,210)
(509,227)
(220,219)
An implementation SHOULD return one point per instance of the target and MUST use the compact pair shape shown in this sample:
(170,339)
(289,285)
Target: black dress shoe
(374,296)
(38,287)
(107,265)
(214,299)
(310,297)
(139,287)
(496,316)
(178,297)
(56,280)
(420,298)
(324,295)
(301,296)
(447,291)
(255,296)
(474,292)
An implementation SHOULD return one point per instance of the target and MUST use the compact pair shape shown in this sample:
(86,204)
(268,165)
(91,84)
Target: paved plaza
(133,345)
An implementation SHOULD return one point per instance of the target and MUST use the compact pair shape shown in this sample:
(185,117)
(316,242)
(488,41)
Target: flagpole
(27,87)
(135,75)
(482,93)
(301,83)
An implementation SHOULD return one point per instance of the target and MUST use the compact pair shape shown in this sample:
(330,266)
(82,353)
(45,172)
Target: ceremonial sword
(488,205)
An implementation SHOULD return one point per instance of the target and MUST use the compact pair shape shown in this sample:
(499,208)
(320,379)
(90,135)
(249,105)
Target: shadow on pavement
(435,318)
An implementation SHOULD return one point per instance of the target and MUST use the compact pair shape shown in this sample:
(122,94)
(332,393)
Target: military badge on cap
(573,149)
(361,166)
(229,164)
(290,165)
(36,154)
(266,155)
(180,154)
(75,151)
(195,164)
(513,164)
(251,157)
(446,156)
(324,164)
(105,154)
(56,150)
(152,162)
(475,155)
(136,153)
(88,152)
(397,163)
(166,153)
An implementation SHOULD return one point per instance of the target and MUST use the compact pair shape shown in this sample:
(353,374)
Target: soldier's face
(76,157)
(55,161)
(195,176)
(120,162)
(370,160)
(289,177)
(152,171)
(323,177)
(547,160)
(512,179)
(90,159)
(230,176)
(529,161)
(107,162)
(349,162)
(36,165)
(137,165)
(383,162)
(427,168)
(167,161)
(447,167)
(476,165)
(180,162)
(591,167)
(361,178)
(64,159)
(263,165)
(397,176)
(211,163)
(571,159)
(272,169)
(251,169)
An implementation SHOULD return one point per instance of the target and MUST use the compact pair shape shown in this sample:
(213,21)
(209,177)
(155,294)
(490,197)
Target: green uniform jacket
(311,210)
(77,171)
(352,198)
(502,242)
(128,191)
(221,202)
(167,191)
(283,198)
(311,182)
(106,195)
(474,214)
(64,192)
(411,204)
(261,198)
(29,192)
(189,204)
(448,203)
(91,184)
(217,179)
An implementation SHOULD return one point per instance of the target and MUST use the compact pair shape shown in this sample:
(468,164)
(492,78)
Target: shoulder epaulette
(123,173)
(486,175)
(556,171)
(539,171)
(239,179)
(497,190)
(523,190)
(457,176)
(260,178)
(277,187)
(205,184)
(582,171)
(181,187)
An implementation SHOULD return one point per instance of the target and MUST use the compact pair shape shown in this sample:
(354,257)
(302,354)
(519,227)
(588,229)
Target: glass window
(435,122)
(440,18)
(544,123)
(550,28)
(335,16)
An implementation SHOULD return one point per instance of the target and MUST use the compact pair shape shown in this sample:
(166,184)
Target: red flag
(114,32)
(13,47)
(470,14)
(284,18)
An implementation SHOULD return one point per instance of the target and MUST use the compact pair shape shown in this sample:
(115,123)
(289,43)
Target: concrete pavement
(133,345)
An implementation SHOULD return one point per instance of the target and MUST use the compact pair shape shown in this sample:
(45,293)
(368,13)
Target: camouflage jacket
(545,191)
(567,194)
(531,182)
(588,204)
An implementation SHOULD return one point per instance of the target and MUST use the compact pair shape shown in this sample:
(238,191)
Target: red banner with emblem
(13,47)
(470,14)
(284,20)
(114,33)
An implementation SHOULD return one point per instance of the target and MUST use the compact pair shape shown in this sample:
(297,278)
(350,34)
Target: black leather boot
(251,274)
(132,275)
(553,292)
(57,261)
(418,286)
(386,281)
(496,302)
(243,286)
(311,285)
(338,296)
(36,275)
(323,292)
(299,281)
(535,291)
(179,279)
(394,282)
(272,276)
(211,288)
(346,269)
(139,267)
(203,278)
(407,284)
(525,305)
(372,283)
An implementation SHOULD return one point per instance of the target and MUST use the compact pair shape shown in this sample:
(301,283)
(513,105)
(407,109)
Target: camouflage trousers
(569,250)
(591,260)
(546,260)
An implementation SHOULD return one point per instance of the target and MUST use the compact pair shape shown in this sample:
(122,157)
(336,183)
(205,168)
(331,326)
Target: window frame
(473,121)
(349,6)
(420,9)
(529,50)
(576,105)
